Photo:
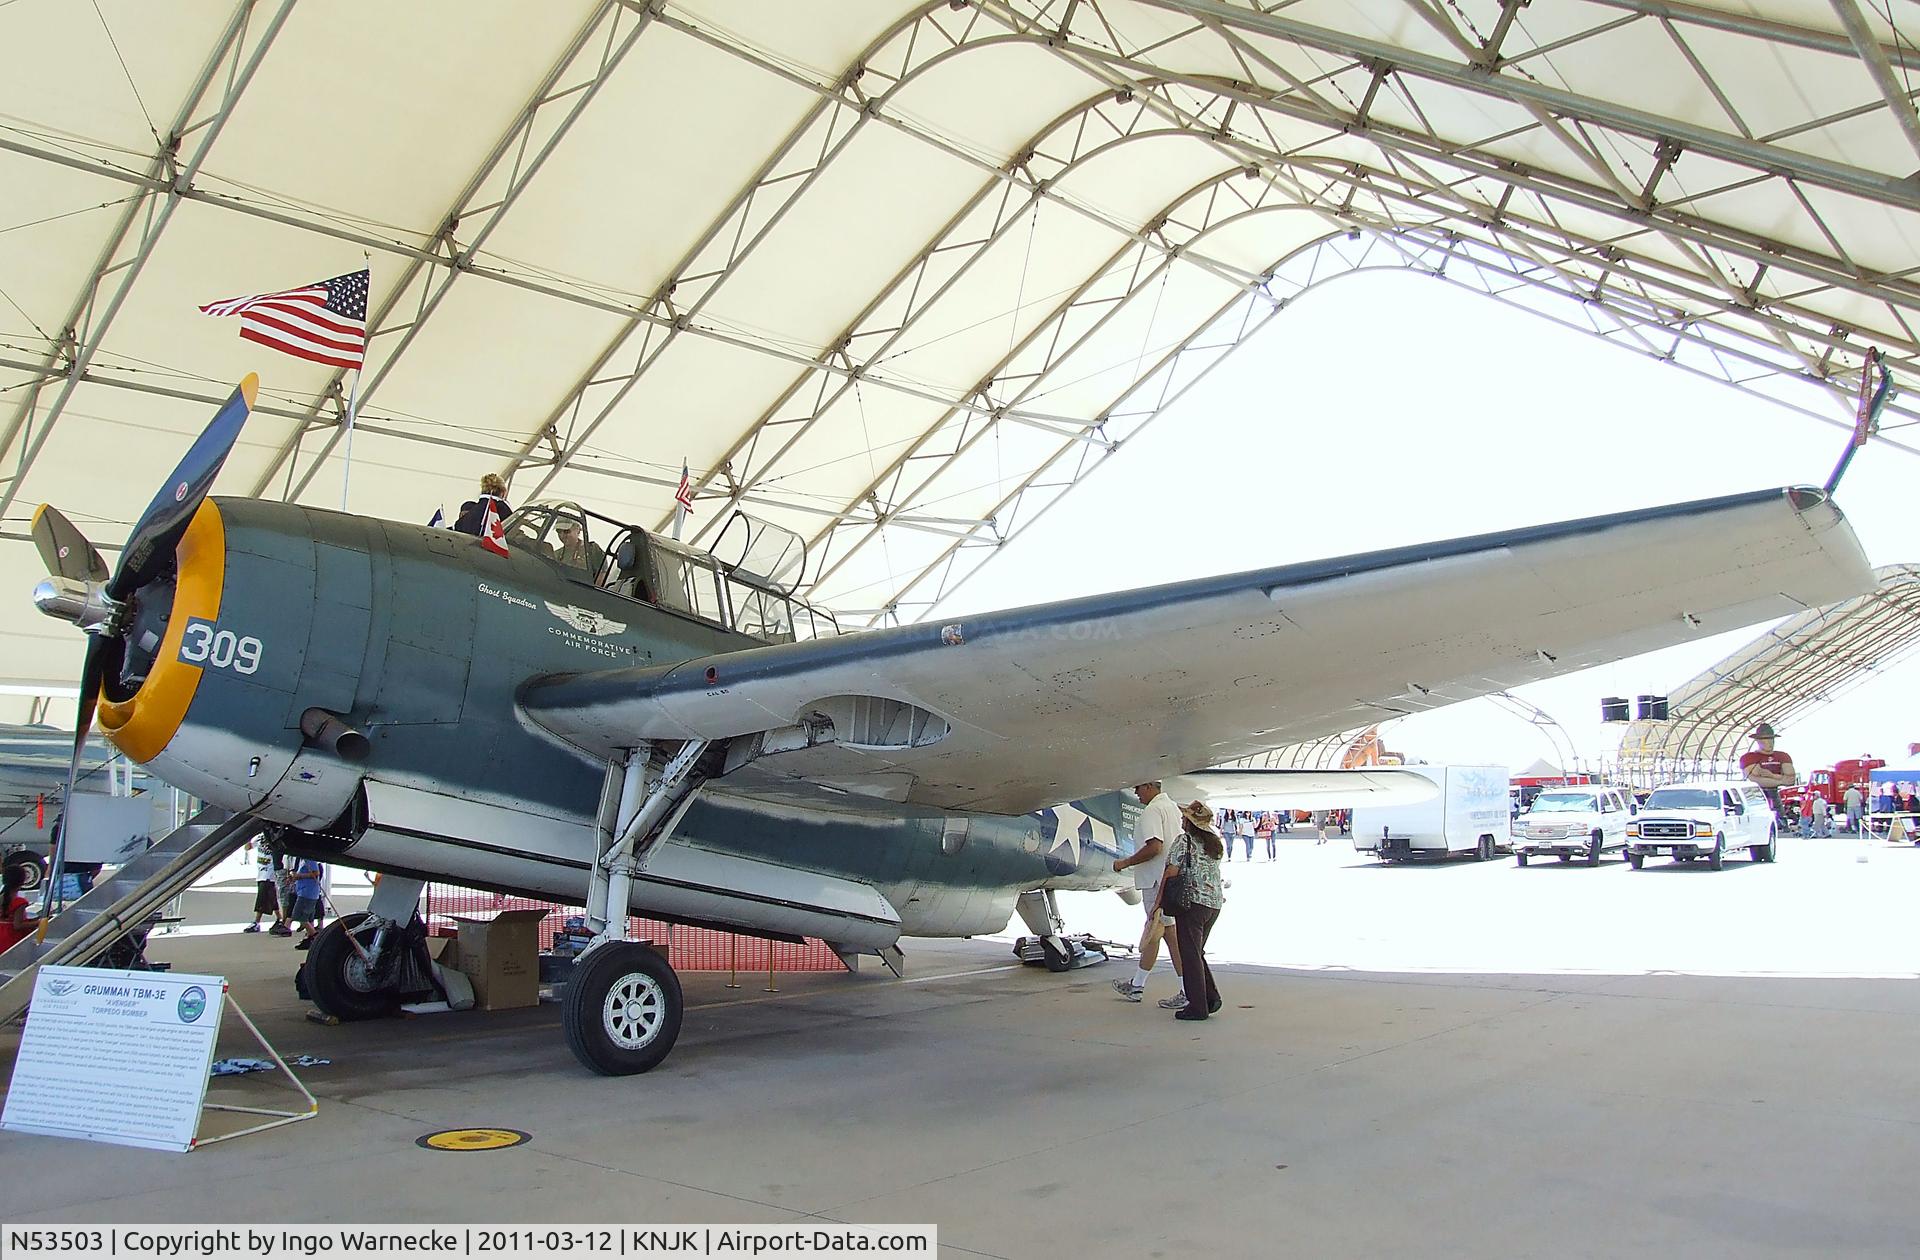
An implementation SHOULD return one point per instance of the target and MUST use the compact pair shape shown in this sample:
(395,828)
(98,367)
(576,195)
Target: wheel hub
(635,1010)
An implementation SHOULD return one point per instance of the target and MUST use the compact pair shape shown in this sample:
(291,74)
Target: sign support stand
(279,1117)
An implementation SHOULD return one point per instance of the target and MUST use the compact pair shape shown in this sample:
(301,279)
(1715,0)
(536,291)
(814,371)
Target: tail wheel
(1056,955)
(623,1009)
(338,977)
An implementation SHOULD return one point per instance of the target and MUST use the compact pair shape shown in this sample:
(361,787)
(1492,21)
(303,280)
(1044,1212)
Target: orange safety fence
(688,948)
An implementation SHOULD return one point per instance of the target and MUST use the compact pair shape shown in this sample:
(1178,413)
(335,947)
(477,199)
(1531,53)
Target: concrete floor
(1327,1112)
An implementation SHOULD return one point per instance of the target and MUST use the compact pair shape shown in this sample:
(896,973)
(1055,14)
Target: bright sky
(1386,409)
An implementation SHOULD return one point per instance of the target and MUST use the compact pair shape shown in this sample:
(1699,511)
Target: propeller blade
(64,549)
(91,675)
(151,543)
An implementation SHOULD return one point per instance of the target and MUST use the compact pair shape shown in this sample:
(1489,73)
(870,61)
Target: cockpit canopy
(744,582)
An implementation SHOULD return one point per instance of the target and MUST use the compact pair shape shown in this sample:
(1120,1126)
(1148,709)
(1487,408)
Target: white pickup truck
(1468,815)
(1704,820)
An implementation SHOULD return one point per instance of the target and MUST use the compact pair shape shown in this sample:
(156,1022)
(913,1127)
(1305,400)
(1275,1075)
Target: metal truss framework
(239,51)
(1629,247)
(1803,663)
(597,50)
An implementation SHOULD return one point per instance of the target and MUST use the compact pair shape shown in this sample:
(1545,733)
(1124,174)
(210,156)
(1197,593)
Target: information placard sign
(116,1056)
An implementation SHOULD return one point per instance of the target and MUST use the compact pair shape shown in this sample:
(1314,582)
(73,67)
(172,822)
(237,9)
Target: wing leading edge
(1010,711)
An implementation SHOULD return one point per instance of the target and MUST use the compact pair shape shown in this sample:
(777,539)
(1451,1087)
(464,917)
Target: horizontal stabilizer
(1305,789)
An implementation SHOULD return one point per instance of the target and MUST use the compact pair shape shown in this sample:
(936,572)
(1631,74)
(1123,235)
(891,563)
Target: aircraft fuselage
(419,638)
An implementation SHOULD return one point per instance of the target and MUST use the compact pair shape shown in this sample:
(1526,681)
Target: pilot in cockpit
(575,551)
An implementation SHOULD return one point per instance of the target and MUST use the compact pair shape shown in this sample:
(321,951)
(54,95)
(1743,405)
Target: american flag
(325,321)
(684,495)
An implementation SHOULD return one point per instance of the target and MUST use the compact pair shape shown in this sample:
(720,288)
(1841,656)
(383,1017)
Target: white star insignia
(1067,834)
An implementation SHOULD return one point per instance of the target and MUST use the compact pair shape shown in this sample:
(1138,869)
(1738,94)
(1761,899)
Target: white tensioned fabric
(1793,668)
(894,276)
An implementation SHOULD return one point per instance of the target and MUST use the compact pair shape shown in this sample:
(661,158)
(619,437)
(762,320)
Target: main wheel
(623,1008)
(31,873)
(1593,850)
(1719,859)
(337,975)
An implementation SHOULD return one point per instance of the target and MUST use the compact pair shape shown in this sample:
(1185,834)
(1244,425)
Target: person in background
(1224,820)
(1195,861)
(1856,801)
(1806,816)
(473,513)
(1263,831)
(266,889)
(1245,826)
(1156,830)
(283,880)
(15,923)
(1822,816)
(306,899)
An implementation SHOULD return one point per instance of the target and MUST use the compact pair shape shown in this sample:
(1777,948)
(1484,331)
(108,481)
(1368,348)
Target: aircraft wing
(1012,711)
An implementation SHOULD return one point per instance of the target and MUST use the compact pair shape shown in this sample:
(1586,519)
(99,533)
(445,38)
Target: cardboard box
(500,953)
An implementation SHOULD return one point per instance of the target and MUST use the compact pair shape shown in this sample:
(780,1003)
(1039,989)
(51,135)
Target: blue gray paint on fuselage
(420,638)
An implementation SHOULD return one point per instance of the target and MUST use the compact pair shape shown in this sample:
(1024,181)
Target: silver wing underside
(1009,712)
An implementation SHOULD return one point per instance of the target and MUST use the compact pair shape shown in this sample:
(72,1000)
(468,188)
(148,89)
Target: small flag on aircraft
(325,321)
(492,536)
(439,518)
(684,495)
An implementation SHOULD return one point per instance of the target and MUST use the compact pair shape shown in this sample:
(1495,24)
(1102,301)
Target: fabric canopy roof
(892,276)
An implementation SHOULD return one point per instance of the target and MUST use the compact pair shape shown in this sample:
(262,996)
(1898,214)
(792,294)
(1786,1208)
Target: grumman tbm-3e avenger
(634,725)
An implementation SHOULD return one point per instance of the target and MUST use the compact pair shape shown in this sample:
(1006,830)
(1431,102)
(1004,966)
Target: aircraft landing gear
(623,1008)
(362,966)
(1051,947)
(623,1005)
(339,979)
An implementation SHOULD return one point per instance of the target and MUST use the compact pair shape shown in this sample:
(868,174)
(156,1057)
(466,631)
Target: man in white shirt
(1153,835)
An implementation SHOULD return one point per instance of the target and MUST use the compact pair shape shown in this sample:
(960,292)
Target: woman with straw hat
(1193,892)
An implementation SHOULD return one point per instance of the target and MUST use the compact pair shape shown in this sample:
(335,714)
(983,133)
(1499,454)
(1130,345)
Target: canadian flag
(492,537)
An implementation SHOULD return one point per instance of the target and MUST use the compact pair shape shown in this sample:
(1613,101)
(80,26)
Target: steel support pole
(1899,100)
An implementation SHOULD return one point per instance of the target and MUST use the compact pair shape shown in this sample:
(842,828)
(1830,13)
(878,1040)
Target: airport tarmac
(1360,1100)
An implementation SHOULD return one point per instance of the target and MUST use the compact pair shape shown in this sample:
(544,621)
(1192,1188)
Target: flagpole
(353,406)
(353,398)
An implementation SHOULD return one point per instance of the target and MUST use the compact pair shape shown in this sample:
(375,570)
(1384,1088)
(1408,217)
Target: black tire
(623,1009)
(1718,861)
(1565,858)
(1593,850)
(1520,858)
(1636,860)
(1057,959)
(337,977)
(1486,848)
(32,870)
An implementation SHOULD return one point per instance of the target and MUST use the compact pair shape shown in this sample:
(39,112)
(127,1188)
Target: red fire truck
(1832,783)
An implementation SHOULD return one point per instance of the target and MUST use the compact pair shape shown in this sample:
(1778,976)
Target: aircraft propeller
(79,588)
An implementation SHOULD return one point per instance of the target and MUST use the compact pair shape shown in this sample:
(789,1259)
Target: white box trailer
(1470,815)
